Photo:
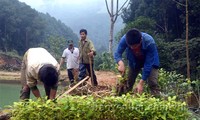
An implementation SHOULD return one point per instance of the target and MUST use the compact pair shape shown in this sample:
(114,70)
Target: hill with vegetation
(22,27)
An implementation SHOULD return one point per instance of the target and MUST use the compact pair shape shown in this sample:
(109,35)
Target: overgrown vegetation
(105,61)
(129,106)
(110,108)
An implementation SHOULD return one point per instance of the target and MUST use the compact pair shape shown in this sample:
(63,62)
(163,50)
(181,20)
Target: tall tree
(164,12)
(186,35)
(113,17)
(186,38)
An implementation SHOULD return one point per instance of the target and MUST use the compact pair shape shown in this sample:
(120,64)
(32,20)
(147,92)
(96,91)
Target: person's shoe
(95,84)
(72,81)
(71,85)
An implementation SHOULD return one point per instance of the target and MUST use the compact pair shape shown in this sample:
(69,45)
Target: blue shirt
(149,50)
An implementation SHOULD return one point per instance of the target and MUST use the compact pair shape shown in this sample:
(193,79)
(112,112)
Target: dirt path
(104,77)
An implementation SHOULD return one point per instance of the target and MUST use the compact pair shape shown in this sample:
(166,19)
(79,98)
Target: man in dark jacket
(141,53)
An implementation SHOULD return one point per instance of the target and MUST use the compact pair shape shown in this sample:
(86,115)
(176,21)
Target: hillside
(9,63)
(22,27)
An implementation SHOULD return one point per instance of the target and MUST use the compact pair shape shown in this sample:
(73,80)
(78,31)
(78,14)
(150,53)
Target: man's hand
(52,94)
(139,87)
(36,92)
(91,54)
(58,67)
(121,67)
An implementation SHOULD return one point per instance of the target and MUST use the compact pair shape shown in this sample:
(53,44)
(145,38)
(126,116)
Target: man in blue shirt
(141,52)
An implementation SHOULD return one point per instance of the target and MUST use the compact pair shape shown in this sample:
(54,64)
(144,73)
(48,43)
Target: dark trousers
(152,80)
(70,75)
(25,92)
(82,72)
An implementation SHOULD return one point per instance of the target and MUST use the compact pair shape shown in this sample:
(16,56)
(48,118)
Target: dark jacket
(149,50)
(84,49)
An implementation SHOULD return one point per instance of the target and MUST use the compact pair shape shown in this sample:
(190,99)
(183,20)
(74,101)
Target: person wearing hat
(39,64)
(71,57)
(142,54)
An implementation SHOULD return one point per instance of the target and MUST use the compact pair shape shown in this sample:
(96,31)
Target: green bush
(170,84)
(105,61)
(173,84)
(106,108)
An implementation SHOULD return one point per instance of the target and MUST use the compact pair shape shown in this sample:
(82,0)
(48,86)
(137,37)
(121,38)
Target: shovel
(91,72)
(71,89)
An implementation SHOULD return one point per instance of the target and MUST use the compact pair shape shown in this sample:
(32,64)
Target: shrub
(109,108)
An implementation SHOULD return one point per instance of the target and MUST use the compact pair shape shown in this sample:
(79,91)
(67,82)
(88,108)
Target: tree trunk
(166,26)
(5,39)
(26,40)
(111,36)
(113,18)
(187,48)
(111,27)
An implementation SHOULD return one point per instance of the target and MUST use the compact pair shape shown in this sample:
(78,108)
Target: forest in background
(22,27)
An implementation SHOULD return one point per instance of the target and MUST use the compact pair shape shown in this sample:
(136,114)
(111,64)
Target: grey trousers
(25,91)
(152,80)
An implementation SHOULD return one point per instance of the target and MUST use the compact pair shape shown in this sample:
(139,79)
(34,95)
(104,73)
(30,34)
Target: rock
(9,63)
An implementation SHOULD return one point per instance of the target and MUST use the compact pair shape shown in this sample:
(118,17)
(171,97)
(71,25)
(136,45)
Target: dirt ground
(10,70)
(106,81)
(104,77)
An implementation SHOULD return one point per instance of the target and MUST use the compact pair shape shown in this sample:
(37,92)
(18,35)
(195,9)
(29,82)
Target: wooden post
(91,72)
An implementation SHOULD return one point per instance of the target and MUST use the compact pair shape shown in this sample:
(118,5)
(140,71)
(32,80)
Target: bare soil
(9,63)
(10,70)
(106,82)
(10,73)
(105,78)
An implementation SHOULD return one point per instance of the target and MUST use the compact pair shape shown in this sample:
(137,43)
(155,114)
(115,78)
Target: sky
(44,5)
(89,14)
(42,2)
(68,10)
